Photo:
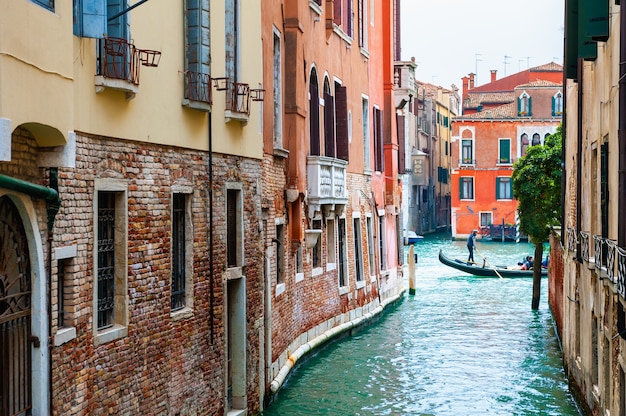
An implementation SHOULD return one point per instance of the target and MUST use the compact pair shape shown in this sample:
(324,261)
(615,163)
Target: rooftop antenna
(476,57)
(506,62)
(528,61)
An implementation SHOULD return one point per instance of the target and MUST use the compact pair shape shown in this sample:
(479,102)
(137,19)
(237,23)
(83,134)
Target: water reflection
(461,346)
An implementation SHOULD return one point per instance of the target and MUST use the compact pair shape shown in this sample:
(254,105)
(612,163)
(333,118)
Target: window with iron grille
(280,254)
(343,252)
(317,248)
(178,251)
(106,259)
(358,249)
(234,227)
(63,294)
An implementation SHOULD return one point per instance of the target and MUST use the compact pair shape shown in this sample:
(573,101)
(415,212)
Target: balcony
(198,92)
(326,184)
(118,64)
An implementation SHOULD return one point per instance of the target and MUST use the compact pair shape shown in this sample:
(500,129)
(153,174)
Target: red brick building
(499,121)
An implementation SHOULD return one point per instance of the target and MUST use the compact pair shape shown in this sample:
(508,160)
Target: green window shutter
(571,39)
(530,106)
(597,18)
(497,188)
(505,151)
(460,188)
(553,106)
(90,18)
(587,47)
(519,106)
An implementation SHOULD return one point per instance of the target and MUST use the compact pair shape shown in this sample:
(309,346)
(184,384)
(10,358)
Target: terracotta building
(330,204)
(499,121)
(592,297)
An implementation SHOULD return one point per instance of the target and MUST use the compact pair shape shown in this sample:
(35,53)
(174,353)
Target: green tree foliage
(537,187)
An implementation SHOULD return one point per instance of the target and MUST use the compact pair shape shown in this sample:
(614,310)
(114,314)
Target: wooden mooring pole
(411,261)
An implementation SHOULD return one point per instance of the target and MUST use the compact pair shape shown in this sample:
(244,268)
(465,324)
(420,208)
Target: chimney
(471,80)
(493,75)
(464,80)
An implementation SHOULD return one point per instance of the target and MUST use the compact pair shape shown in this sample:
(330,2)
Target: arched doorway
(15,313)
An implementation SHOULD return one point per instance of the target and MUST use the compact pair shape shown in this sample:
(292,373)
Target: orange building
(499,121)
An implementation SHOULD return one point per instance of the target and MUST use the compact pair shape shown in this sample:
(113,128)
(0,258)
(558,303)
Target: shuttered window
(466,187)
(401,144)
(341,107)
(90,18)
(505,151)
(198,36)
(503,188)
(314,115)
(48,4)
(329,125)
(179,242)
(379,161)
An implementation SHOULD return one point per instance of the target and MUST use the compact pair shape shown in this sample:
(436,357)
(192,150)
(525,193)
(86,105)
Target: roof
(504,111)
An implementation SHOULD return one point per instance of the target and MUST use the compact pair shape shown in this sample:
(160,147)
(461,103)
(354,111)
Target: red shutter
(329,125)
(314,118)
(337,12)
(341,105)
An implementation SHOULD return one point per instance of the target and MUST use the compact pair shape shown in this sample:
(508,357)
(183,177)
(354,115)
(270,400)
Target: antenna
(528,61)
(476,57)
(506,62)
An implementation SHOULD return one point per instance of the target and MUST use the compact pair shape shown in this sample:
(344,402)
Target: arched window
(524,144)
(329,120)
(524,105)
(557,104)
(314,114)
(536,139)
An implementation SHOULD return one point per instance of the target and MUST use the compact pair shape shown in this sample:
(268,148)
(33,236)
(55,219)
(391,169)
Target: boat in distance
(485,269)
(412,237)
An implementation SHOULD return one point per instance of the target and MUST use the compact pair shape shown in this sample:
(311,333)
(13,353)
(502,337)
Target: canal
(460,346)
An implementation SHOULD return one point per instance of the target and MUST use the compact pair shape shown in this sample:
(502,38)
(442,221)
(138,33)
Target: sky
(451,38)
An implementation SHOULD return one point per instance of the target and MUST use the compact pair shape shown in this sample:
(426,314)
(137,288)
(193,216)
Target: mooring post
(411,262)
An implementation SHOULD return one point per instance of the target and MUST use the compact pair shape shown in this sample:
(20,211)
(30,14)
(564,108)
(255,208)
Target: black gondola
(485,269)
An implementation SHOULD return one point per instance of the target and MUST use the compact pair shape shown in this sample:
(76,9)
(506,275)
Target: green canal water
(461,345)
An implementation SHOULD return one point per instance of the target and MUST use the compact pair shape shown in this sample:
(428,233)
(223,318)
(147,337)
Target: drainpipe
(211,269)
(621,132)
(579,151)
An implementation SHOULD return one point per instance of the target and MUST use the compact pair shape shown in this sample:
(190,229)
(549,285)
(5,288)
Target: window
(198,51)
(504,151)
(358,249)
(317,248)
(343,123)
(280,253)
(117,55)
(234,228)
(232,40)
(524,143)
(278,91)
(382,257)
(362,16)
(64,294)
(329,120)
(343,252)
(536,139)
(330,243)
(379,155)
(299,264)
(110,297)
(182,252)
(504,188)
(370,246)
(467,152)
(366,134)
(557,104)
(486,219)
(466,187)
(314,114)
(343,16)
(48,4)
(89,17)
(524,105)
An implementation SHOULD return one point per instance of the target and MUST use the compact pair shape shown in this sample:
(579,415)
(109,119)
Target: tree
(537,187)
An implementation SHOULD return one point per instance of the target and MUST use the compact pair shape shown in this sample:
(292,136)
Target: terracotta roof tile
(501,112)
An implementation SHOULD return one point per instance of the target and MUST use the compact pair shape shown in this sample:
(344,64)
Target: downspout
(53,203)
(211,231)
(621,132)
(579,151)
(564,135)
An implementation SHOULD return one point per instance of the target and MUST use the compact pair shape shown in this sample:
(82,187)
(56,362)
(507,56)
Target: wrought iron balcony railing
(198,87)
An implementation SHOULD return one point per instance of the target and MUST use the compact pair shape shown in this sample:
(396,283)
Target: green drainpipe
(37,191)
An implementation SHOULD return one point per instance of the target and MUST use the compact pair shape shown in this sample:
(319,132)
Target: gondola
(486,270)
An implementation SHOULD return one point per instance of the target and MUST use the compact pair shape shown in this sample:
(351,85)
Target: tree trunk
(537,275)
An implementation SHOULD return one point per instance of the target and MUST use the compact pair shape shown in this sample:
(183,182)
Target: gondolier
(471,245)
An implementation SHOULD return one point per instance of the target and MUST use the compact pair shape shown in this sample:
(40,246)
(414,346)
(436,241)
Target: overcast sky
(451,38)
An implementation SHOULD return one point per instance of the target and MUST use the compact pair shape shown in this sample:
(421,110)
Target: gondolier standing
(471,245)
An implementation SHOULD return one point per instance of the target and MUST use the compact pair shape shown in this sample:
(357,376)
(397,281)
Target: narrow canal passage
(461,346)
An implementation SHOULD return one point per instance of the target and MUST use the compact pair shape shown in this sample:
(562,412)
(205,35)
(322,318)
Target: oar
(489,264)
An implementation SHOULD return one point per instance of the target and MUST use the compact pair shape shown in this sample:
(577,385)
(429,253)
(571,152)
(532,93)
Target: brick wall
(163,365)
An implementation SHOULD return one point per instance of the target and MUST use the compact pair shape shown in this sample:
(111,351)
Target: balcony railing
(119,60)
(198,87)
(326,181)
